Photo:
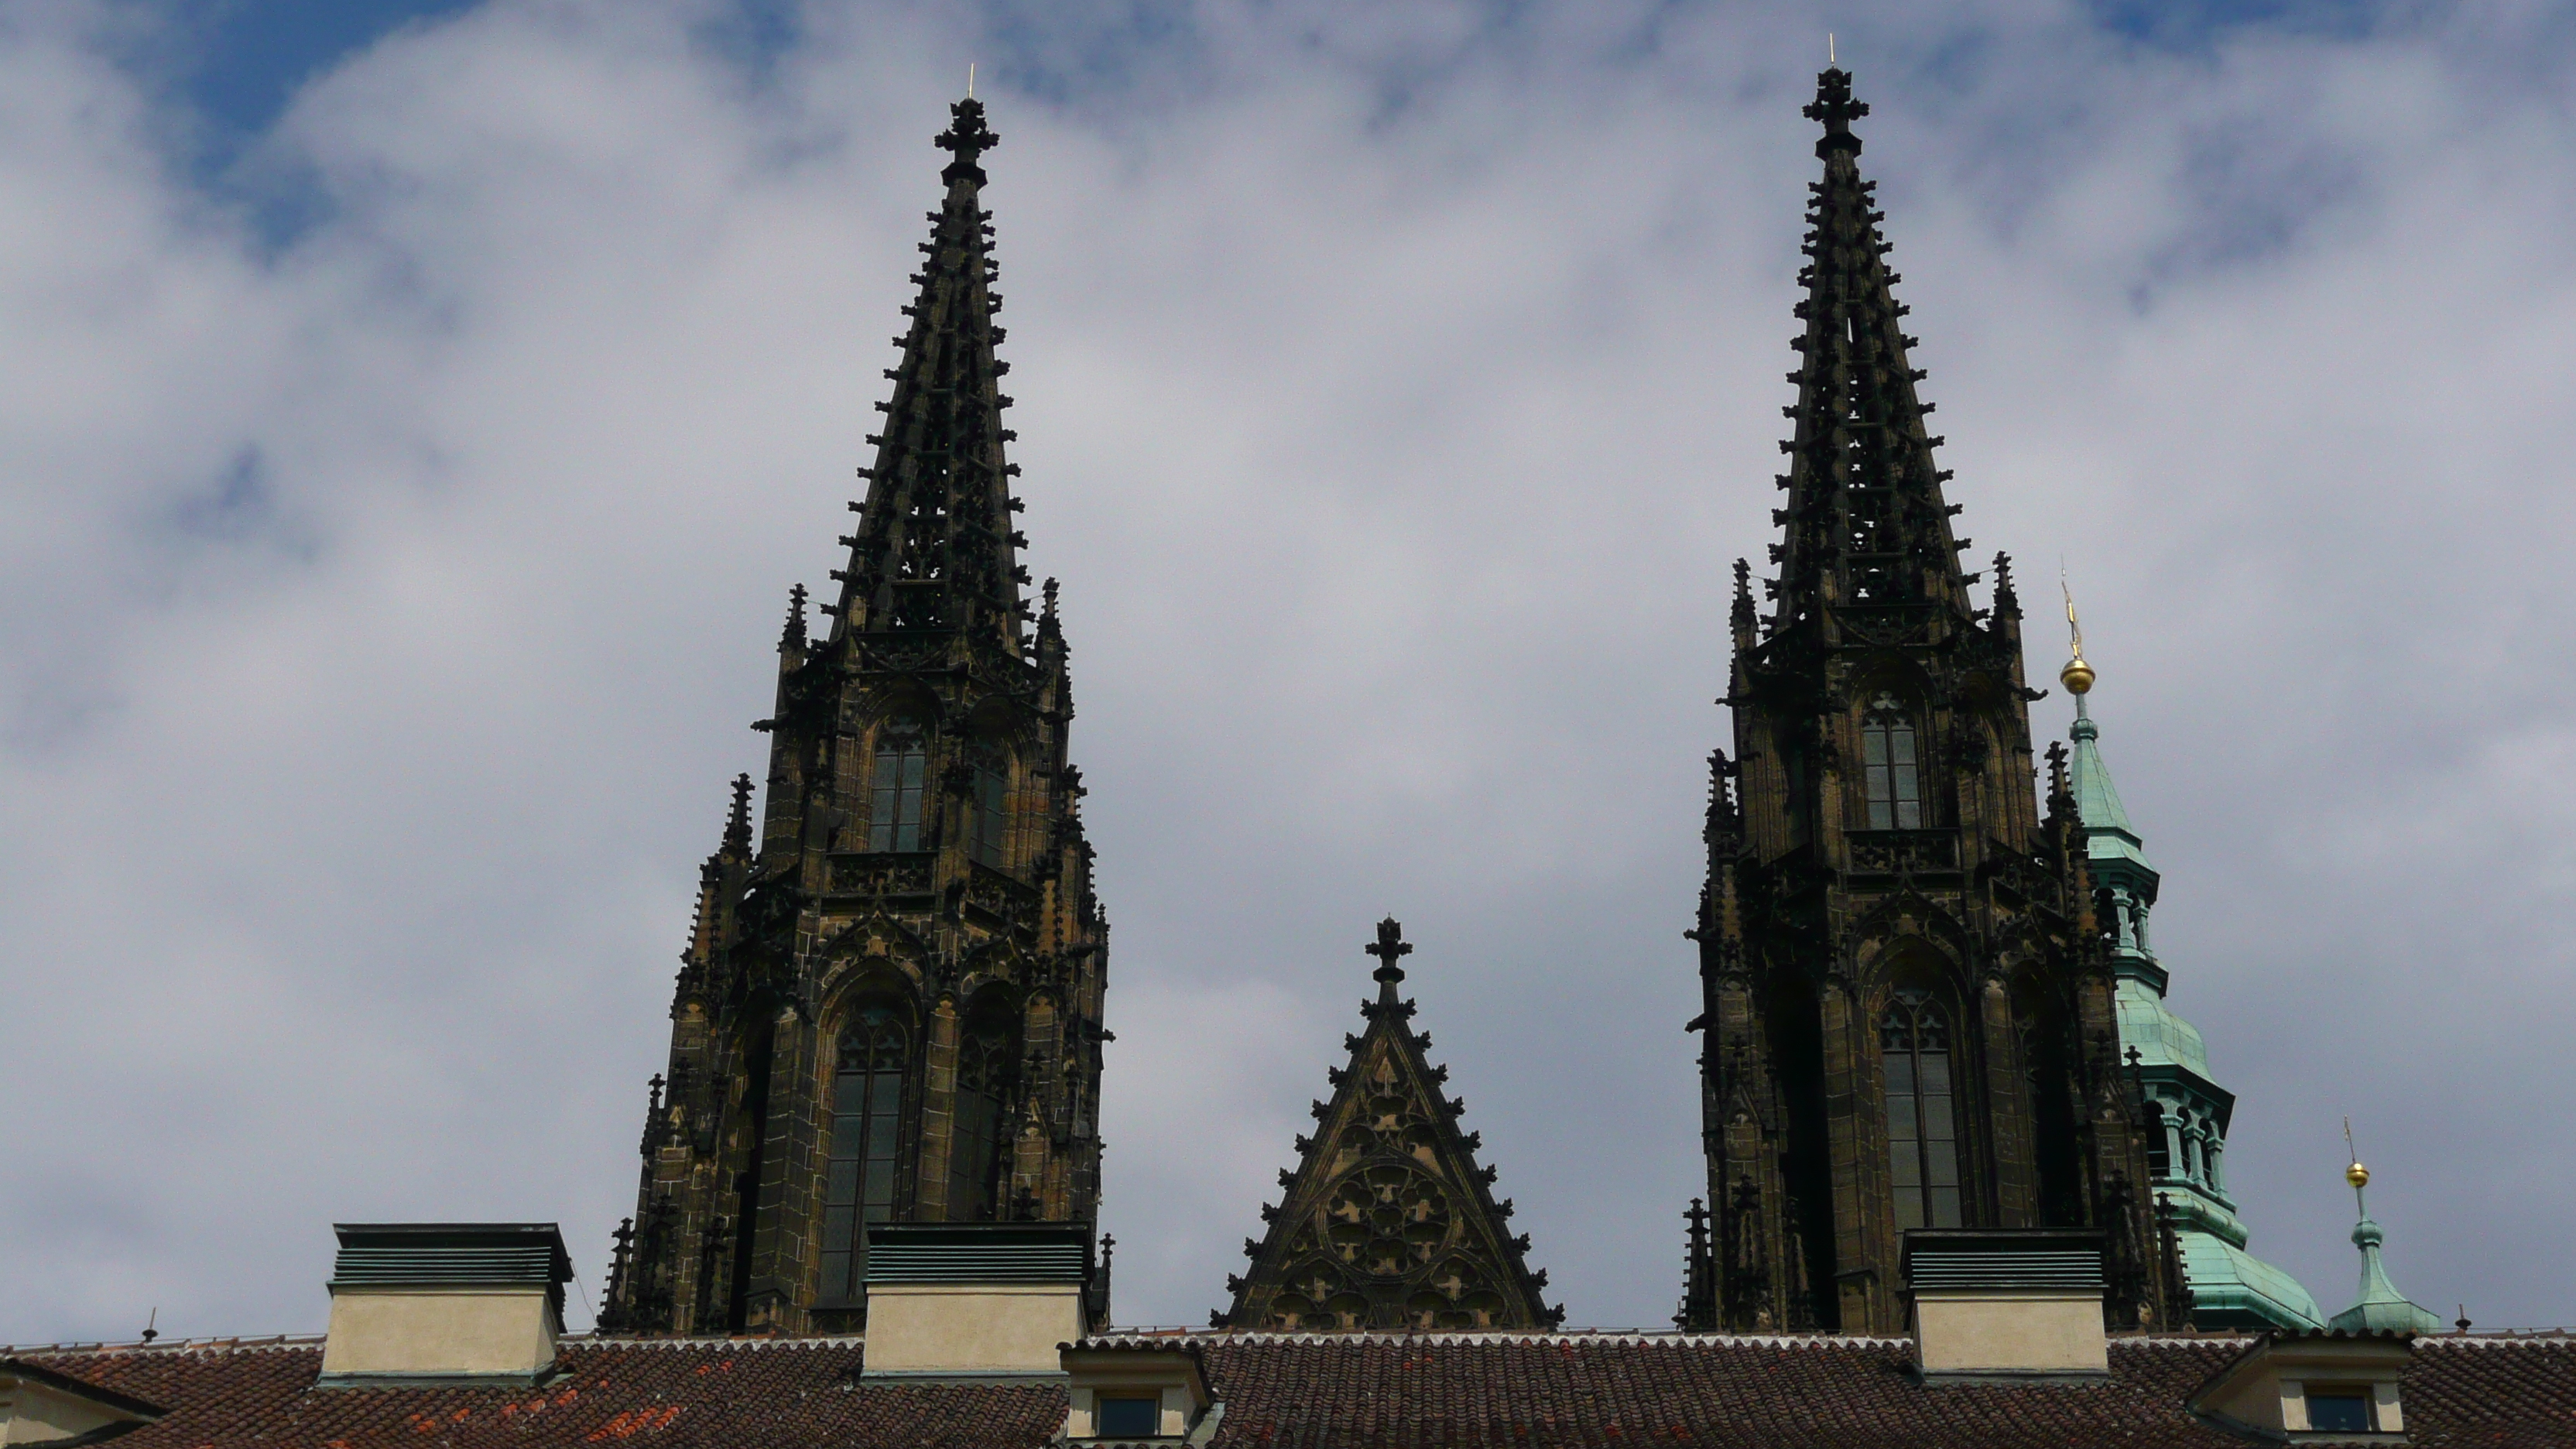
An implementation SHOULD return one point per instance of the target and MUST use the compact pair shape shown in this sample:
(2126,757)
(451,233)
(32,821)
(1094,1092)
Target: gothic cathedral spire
(1908,1006)
(890,1013)
(935,546)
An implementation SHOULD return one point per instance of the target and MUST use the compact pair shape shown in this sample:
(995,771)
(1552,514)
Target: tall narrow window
(894,810)
(984,1063)
(1888,771)
(867,1118)
(986,836)
(2160,1143)
(1922,1120)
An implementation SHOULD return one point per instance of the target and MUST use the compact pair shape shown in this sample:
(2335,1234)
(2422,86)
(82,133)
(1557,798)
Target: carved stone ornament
(1387,1223)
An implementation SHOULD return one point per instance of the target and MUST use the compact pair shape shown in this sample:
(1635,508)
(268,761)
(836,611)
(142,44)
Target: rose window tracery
(1387,1219)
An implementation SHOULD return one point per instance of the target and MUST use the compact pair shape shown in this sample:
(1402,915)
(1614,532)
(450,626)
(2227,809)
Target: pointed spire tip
(967,138)
(1835,107)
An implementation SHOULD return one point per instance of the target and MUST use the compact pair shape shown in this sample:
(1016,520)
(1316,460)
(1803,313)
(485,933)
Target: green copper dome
(2161,1038)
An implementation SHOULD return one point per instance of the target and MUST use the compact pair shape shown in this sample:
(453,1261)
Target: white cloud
(379,613)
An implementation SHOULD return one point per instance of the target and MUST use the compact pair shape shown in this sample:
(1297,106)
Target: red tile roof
(747,1394)
(1282,1391)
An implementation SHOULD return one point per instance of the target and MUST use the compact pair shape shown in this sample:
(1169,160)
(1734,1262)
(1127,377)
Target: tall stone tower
(891,1011)
(1909,1009)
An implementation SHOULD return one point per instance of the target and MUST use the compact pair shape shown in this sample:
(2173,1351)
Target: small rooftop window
(2339,1409)
(1130,1416)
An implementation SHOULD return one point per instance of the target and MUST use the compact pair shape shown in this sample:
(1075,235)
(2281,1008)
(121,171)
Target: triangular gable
(1388,1222)
(41,1406)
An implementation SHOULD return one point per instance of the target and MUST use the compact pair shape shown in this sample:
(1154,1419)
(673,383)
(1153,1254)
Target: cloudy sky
(415,414)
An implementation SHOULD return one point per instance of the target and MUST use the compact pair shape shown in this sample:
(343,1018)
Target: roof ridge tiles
(714,1341)
(1201,1338)
(227,1342)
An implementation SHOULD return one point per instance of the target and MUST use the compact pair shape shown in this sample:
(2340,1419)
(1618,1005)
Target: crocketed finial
(2007,601)
(1742,615)
(1390,946)
(793,636)
(1835,107)
(738,820)
(966,138)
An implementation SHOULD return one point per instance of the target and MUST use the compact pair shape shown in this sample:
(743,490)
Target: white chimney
(2007,1303)
(445,1302)
(974,1300)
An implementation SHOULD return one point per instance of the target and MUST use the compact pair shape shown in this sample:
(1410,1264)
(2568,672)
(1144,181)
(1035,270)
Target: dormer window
(1123,1393)
(2312,1388)
(1890,776)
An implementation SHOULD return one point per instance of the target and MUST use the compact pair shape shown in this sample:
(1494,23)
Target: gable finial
(1389,947)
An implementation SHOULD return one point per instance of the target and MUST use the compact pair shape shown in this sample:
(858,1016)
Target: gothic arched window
(1889,776)
(985,1061)
(989,820)
(1922,1115)
(894,810)
(867,1118)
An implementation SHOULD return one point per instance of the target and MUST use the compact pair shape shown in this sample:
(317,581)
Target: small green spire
(2107,831)
(2107,828)
(2381,1308)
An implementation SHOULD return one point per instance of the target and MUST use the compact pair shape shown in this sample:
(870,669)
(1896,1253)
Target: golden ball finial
(2077,676)
(2357,1175)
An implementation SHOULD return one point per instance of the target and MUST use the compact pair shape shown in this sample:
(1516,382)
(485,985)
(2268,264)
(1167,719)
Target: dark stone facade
(1891,905)
(1388,1223)
(891,1011)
